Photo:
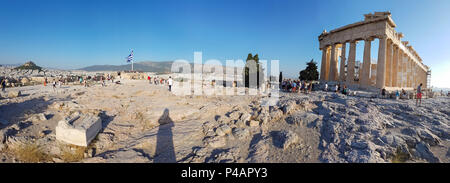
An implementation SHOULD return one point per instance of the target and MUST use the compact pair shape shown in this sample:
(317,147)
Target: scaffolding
(429,79)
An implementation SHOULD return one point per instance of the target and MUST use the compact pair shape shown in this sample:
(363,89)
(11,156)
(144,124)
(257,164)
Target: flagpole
(130,59)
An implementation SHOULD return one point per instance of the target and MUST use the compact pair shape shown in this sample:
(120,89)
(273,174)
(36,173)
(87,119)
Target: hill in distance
(29,66)
(146,66)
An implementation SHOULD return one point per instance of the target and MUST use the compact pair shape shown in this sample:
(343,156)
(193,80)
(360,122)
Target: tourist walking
(294,86)
(404,95)
(310,87)
(170,83)
(345,90)
(419,94)
(103,81)
(3,83)
(326,86)
(54,85)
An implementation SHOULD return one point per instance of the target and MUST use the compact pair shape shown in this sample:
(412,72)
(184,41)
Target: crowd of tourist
(296,86)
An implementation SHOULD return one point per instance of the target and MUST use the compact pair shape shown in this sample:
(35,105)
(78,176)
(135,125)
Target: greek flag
(130,57)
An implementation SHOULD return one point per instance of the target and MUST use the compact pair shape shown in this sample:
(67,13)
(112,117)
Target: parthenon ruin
(398,65)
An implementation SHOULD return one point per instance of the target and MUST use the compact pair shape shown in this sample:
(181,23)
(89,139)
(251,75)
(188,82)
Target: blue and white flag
(130,57)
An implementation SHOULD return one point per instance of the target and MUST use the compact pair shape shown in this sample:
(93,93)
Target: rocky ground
(146,123)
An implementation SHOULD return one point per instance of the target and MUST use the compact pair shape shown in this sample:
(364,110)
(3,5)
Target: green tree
(249,57)
(310,73)
(258,70)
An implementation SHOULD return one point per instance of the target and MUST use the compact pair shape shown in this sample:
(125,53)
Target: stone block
(79,130)
(14,94)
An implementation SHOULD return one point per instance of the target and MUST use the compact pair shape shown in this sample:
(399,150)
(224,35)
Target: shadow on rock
(165,150)
(16,111)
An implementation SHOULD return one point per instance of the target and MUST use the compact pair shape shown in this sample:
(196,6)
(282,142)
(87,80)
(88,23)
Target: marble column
(411,72)
(409,84)
(323,64)
(333,64)
(405,70)
(327,67)
(400,67)
(408,75)
(342,67)
(425,82)
(395,67)
(388,63)
(365,74)
(381,64)
(351,63)
(414,74)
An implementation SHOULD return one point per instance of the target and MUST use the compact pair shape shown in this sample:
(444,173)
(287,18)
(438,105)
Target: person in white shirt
(326,86)
(170,83)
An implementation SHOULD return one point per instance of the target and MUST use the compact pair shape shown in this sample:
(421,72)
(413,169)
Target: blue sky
(71,34)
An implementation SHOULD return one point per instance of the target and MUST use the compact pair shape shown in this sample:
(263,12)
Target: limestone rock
(223,130)
(241,133)
(360,145)
(3,136)
(302,118)
(38,117)
(240,123)
(57,160)
(423,151)
(14,94)
(78,130)
(275,115)
(122,156)
(42,117)
(219,132)
(246,117)
(429,137)
(216,142)
(17,142)
(284,139)
(25,81)
(254,123)
(393,140)
(207,126)
(104,141)
(289,139)
(289,107)
(235,115)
